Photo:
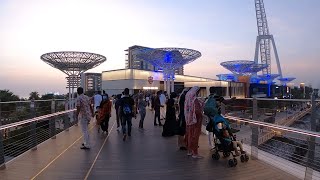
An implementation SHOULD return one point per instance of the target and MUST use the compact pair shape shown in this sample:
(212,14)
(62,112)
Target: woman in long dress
(193,113)
(182,120)
(169,127)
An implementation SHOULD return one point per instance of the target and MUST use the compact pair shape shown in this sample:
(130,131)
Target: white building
(115,81)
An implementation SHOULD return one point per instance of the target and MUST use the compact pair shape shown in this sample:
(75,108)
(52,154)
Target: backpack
(126,109)
(210,108)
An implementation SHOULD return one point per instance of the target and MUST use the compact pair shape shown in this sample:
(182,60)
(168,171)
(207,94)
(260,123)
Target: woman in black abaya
(169,126)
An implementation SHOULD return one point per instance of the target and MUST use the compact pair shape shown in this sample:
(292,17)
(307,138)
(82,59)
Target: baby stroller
(220,124)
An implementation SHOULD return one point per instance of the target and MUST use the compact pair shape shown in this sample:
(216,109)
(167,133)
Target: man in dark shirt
(116,106)
(126,110)
(157,106)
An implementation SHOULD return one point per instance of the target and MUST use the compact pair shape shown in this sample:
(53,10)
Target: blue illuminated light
(168,57)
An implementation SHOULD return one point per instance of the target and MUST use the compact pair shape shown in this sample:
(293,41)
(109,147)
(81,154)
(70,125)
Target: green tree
(34,95)
(8,108)
(47,96)
(296,93)
(6,95)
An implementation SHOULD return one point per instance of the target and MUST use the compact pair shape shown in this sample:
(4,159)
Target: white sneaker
(197,157)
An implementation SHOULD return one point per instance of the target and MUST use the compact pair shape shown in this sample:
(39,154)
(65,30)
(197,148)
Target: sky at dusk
(220,30)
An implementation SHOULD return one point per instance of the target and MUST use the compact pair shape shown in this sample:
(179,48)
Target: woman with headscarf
(169,126)
(193,108)
(181,129)
(104,114)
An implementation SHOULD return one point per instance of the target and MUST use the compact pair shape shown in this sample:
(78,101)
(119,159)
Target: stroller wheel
(242,158)
(235,162)
(246,157)
(226,154)
(231,163)
(216,156)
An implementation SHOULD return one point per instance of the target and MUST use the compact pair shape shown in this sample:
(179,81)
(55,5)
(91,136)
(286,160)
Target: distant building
(133,62)
(303,89)
(91,81)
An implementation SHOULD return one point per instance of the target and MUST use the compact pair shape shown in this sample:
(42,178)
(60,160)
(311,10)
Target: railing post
(223,109)
(52,121)
(255,130)
(33,126)
(67,116)
(2,160)
(311,140)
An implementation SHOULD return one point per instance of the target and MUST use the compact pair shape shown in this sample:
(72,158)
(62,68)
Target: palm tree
(34,95)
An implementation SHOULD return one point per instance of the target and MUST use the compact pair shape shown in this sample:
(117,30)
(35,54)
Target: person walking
(193,113)
(142,104)
(97,98)
(126,109)
(157,106)
(169,127)
(163,100)
(84,114)
(118,115)
(104,115)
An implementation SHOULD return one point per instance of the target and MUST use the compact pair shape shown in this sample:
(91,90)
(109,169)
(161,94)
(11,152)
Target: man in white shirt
(84,114)
(163,106)
(96,101)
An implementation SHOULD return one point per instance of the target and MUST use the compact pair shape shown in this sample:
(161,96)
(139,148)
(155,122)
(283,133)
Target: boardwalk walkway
(145,155)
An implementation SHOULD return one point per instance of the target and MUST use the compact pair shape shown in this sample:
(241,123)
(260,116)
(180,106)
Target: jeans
(126,120)
(157,115)
(118,118)
(142,116)
(85,131)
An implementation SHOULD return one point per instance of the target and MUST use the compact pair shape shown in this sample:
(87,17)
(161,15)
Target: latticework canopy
(243,67)
(73,62)
(168,58)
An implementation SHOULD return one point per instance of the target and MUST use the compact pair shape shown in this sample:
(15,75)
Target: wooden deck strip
(145,155)
(31,162)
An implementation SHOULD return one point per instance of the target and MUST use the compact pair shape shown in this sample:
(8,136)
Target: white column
(69,98)
(168,86)
(172,85)
(72,97)
(165,85)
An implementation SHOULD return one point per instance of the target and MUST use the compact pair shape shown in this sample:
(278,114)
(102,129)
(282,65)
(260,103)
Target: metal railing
(291,149)
(14,111)
(46,119)
(284,142)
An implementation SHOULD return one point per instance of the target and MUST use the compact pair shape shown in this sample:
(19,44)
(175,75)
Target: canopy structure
(73,63)
(169,59)
(286,80)
(243,67)
(227,77)
(255,79)
(268,78)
